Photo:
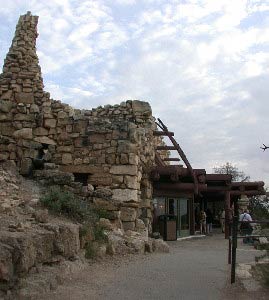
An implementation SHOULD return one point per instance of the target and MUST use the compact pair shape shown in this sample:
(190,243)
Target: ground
(194,269)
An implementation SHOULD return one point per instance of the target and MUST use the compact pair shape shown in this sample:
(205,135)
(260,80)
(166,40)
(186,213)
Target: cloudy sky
(202,64)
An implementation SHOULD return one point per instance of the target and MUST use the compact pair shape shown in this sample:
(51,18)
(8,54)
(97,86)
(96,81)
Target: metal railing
(233,236)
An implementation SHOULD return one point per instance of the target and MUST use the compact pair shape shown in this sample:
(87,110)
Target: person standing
(209,221)
(222,220)
(202,222)
(245,227)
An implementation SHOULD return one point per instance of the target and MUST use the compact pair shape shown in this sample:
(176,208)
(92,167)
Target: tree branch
(264,147)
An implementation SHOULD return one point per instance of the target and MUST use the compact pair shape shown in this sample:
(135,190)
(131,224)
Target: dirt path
(194,269)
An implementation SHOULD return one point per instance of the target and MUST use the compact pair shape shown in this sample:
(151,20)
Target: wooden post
(227,214)
(234,246)
(192,218)
(230,244)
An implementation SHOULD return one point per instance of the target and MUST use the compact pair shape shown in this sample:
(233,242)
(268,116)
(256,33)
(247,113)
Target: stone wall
(107,147)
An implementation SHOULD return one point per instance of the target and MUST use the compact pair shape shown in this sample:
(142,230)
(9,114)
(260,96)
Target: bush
(99,234)
(101,213)
(64,202)
(90,250)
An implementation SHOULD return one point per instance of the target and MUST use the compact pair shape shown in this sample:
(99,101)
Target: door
(179,207)
(184,217)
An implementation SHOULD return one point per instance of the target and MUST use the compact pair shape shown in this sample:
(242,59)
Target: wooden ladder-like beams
(164,132)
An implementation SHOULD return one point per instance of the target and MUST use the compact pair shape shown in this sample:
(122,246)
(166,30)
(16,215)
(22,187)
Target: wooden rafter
(165,132)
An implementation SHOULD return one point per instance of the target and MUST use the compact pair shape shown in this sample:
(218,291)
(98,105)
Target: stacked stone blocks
(111,146)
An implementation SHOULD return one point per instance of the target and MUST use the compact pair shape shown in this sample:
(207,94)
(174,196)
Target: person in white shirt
(245,216)
(245,226)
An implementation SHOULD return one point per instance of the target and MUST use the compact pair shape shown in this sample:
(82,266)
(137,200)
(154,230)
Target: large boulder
(67,241)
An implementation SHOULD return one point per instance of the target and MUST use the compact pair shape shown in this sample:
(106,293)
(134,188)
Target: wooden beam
(170,169)
(171,159)
(179,186)
(163,133)
(254,183)
(247,193)
(172,193)
(219,188)
(218,177)
(166,148)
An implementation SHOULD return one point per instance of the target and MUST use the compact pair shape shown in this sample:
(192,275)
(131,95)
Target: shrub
(90,250)
(64,202)
(101,213)
(99,234)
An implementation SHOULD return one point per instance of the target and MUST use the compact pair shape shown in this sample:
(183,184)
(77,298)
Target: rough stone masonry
(108,147)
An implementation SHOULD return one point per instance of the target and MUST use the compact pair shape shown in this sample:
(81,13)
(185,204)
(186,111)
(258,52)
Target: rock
(139,224)
(4,156)
(5,106)
(103,192)
(263,240)
(44,140)
(125,195)
(105,204)
(41,131)
(34,108)
(125,147)
(7,95)
(41,216)
(123,170)
(54,177)
(67,159)
(26,98)
(149,246)
(159,245)
(24,133)
(128,214)
(131,182)
(128,225)
(101,249)
(6,263)
(243,271)
(117,244)
(50,123)
(67,241)
(28,248)
(110,249)
(105,224)
(156,235)
(141,107)
(26,166)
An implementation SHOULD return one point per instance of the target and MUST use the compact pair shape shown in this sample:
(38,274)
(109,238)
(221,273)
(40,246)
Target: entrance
(178,207)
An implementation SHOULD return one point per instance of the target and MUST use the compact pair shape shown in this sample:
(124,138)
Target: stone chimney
(21,80)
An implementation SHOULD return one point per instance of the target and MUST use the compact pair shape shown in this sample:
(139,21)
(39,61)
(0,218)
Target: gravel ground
(194,269)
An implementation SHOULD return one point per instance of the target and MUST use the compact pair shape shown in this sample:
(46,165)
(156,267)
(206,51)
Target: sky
(203,65)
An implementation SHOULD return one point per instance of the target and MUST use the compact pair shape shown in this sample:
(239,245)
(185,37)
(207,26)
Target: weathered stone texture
(108,147)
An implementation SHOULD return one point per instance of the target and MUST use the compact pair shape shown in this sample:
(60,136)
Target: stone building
(112,148)
(107,147)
